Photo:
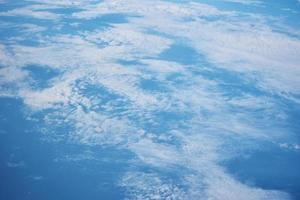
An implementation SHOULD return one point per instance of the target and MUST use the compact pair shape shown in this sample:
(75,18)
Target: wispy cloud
(31,11)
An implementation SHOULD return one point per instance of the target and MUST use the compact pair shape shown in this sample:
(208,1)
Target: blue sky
(192,97)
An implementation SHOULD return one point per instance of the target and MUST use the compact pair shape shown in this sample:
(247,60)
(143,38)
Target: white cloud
(150,186)
(238,46)
(9,75)
(72,3)
(29,11)
(246,2)
(150,8)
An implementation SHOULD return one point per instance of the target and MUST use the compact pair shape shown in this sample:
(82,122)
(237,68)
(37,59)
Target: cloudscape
(150,99)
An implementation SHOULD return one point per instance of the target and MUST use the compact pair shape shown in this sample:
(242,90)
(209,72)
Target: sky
(140,99)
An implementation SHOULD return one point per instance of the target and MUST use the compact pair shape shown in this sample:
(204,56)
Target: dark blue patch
(41,75)
(152,85)
(67,11)
(292,110)
(273,169)
(24,156)
(232,83)
(180,53)
(130,62)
